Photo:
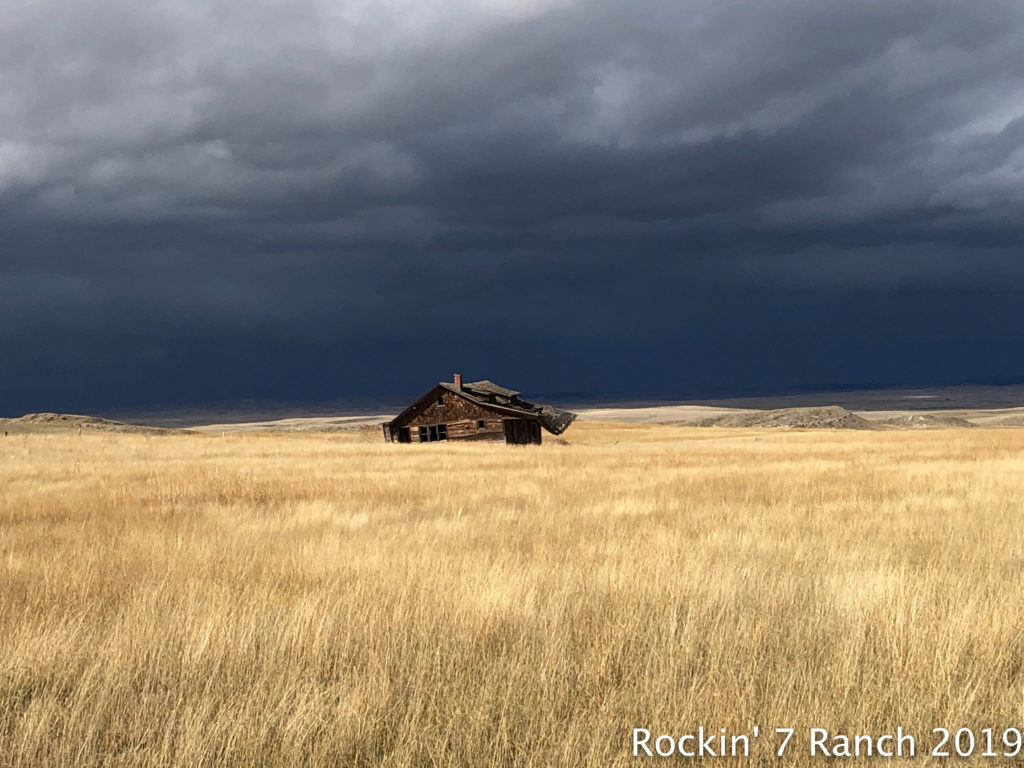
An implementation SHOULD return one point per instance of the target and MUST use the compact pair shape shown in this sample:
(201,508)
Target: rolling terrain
(69,423)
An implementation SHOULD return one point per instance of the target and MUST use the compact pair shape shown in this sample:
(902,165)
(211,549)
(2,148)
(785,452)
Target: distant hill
(926,421)
(824,417)
(65,423)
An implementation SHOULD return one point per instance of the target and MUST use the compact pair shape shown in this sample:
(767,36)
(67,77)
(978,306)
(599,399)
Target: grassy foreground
(297,600)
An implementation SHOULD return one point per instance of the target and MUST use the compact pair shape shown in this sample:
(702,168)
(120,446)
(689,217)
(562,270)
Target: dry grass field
(332,600)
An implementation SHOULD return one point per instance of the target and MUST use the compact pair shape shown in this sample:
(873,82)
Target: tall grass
(300,600)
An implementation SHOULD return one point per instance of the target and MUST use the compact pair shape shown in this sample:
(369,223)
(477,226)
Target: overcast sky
(219,199)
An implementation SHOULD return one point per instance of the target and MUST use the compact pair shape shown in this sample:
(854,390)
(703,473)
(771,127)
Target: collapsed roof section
(490,395)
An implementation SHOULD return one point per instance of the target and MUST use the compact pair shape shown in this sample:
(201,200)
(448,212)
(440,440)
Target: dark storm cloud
(226,199)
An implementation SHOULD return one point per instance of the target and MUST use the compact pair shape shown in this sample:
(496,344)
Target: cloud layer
(226,199)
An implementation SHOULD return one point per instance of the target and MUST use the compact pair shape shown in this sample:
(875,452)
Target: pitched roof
(489,395)
(488,387)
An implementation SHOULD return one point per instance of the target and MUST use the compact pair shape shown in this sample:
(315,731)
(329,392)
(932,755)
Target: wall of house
(460,416)
(523,432)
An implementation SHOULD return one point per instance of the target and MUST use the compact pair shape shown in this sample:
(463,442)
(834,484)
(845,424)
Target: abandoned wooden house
(477,410)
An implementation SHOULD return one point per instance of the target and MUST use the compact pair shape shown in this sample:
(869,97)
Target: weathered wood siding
(460,416)
(522,432)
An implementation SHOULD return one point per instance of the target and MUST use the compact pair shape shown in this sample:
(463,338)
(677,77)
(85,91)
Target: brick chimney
(458,381)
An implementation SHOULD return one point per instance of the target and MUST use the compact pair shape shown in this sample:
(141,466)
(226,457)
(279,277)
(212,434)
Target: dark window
(403,434)
(433,433)
(440,399)
(481,424)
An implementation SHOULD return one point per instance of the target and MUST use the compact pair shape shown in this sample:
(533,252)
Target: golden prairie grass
(308,600)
